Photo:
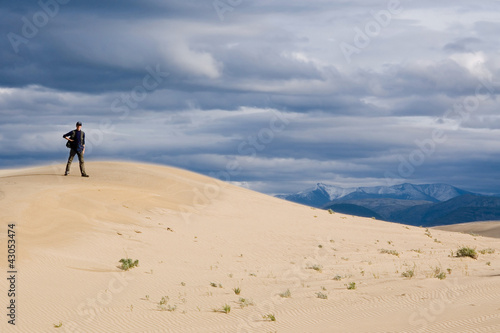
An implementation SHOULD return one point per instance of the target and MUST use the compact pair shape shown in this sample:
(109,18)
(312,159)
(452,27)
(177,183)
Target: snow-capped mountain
(321,194)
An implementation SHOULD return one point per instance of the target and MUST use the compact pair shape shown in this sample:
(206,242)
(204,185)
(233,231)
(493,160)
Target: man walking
(76,140)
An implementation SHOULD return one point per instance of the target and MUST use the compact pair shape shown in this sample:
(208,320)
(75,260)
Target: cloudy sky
(273,95)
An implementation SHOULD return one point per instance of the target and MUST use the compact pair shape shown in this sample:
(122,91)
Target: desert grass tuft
(439,274)
(467,252)
(408,274)
(317,268)
(393,252)
(321,295)
(244,302)
(226,308)
(269,317)
(286,294)
(351,285)
(487,251)
(128,264)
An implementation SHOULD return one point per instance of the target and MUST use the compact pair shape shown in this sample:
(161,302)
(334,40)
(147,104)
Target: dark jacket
(79,139)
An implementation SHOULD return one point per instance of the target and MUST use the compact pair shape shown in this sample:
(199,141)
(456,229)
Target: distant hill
(466,208)
(384,208)
(322,194)
(346,208)
(420,205)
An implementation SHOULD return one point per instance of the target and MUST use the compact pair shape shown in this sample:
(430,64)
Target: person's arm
(69,134)
(83,143)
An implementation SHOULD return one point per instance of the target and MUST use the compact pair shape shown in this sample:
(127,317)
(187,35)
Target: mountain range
(425,205)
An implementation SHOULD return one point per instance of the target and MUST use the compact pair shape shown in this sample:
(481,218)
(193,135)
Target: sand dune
(197,239)
(485,228)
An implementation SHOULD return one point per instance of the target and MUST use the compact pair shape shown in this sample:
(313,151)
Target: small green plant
(467,252)
(439,274)
(320,246)
(147,297)
(269,317)
(226,308)
(167,307)
(58,325)
(323,288)
(393,252)
(183,284)
(215,285)
(416,250)
(428,233)
(128,264)
(487,251)
(163,306)
(164,300)
(286,294)
(237,291)
(408,274)
(244,302)
(488,263)
(351,285)
(331,211)
(321,295)
(337,277)
(317,268)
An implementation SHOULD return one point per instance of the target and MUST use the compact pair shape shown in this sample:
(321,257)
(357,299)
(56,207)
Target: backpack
(68,143)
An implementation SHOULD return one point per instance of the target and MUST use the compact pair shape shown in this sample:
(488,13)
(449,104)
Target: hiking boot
(66,173)
(85,175)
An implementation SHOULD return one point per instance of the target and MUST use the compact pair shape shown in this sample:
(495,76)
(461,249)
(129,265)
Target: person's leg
(82,164)
(72,153)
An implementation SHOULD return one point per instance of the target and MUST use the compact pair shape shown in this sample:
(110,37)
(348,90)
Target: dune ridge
(197,238)
(483,228)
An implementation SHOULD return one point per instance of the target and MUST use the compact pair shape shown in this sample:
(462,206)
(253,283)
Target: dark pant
(72,154)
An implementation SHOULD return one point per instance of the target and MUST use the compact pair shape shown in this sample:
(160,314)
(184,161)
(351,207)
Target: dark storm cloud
(186,84)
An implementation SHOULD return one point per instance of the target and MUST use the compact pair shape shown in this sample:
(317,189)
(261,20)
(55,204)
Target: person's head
(79,125)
